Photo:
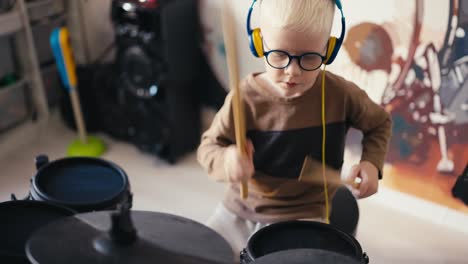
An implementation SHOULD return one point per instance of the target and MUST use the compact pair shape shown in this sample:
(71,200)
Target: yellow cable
(327,211)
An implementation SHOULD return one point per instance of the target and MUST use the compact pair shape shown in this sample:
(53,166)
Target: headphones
(334,44)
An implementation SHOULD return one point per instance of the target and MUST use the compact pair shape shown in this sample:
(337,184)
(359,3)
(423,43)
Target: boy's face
(292,80)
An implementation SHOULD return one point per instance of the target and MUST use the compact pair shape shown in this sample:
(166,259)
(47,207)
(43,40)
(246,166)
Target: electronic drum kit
(79,211)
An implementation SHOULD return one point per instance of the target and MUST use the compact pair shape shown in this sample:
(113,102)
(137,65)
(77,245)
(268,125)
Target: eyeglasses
(280,59)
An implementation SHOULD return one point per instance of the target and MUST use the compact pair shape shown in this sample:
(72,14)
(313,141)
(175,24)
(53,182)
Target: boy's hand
(369,175)
(237,166)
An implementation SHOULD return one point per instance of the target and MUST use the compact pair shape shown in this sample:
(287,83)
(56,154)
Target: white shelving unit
(10,22)
(16,22)
(44,8)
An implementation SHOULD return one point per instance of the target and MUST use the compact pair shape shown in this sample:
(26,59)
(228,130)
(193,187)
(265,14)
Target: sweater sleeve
(216,139)
(374,122)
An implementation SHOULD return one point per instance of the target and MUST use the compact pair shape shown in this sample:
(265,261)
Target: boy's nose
(293,68)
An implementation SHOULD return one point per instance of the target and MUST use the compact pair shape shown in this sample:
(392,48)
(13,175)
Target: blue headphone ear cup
(256,43)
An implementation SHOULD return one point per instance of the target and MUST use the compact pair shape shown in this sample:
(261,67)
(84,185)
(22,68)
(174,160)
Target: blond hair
(314,16)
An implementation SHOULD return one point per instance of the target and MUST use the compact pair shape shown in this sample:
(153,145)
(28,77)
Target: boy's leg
(234,229)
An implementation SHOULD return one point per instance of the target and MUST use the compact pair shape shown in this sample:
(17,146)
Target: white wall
(90,28)
(210,15)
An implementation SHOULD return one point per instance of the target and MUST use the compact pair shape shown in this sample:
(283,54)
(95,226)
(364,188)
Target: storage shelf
(40,9)
(19,82)
(10,23)
(13,105)
(24,124)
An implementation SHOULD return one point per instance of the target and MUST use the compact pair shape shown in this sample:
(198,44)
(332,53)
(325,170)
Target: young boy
(283,113)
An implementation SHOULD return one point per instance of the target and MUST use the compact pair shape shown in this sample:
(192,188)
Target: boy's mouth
(291,84)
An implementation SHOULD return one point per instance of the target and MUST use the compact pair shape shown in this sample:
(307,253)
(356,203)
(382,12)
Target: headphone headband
(335,47)
(249,15)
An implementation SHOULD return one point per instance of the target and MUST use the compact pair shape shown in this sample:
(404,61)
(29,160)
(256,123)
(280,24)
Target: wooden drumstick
(311,167)
(229,34)
(356,183)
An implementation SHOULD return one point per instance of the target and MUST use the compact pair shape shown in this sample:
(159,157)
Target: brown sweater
(286,130)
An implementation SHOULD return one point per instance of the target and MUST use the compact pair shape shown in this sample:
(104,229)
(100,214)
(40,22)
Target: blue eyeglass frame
(298,57)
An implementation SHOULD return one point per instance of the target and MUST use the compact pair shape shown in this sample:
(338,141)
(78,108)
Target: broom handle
(80,124)
(70,68)
(229,34)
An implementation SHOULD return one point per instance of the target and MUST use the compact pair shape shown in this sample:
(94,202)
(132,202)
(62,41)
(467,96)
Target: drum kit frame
(50,227)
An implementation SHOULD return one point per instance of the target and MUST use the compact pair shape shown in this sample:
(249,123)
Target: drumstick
(354,183)
(311,167)
(229,34)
